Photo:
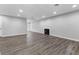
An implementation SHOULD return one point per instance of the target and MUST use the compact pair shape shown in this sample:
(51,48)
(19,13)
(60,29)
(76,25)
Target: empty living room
(39,29)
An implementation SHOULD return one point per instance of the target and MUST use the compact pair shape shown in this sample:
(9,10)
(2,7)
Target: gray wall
(13,26)
(0,26)
(66,26)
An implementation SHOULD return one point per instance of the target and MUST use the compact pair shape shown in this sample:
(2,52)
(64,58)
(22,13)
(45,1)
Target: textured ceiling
(35,11)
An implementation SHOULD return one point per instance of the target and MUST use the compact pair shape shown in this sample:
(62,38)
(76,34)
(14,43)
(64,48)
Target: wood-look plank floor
(37,44)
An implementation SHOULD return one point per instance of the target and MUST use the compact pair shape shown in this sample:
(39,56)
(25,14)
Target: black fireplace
(46,31)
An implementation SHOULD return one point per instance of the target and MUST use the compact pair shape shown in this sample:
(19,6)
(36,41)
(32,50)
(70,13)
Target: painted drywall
(0,26)
(13,26)
(66,26)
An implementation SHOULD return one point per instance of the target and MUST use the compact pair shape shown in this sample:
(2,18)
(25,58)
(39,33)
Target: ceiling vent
(56,4)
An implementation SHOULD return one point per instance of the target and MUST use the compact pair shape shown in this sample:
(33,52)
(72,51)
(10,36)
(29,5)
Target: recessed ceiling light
(74,6)
(20,10)
(18,14)
(54,12)
(28,21)
(43,16)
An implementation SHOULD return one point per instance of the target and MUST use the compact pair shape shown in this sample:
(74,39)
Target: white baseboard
(73,39)
(12,35)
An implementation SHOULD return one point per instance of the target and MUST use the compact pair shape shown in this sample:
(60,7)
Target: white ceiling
(35,11)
